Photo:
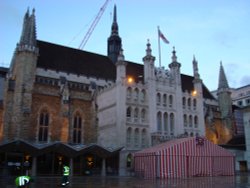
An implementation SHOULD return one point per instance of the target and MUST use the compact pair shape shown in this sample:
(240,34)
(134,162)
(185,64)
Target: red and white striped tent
(184,157)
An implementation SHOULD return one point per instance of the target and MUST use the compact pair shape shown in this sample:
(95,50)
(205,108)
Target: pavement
(241,180)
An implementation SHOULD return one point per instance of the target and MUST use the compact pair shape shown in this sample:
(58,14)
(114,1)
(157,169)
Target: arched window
(165,121)
(143,115)
(158,99)
(172,123)
(136,94)
(189,103)
(136,142)
(77,129)
(194,104)
(129,136)
(143,95)
(43,126)
(159,124)
(129,93)
(190,121)
(171,101)
(164,100)
(129,160)
(143,138)
(185,120)
(195,122)
(136,114)
(184,103)
(129,114)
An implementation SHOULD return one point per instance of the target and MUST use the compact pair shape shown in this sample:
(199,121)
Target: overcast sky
(212,30)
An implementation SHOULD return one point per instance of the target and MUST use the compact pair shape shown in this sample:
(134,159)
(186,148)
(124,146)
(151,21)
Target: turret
(149,64)
(114,41)
(175,68)
(19,85)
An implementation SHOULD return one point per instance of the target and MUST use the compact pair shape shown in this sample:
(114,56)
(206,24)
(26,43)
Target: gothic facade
(56,94)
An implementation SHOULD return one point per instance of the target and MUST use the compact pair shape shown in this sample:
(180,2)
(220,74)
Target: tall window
(143,95)
(136,93)
(172,123)
(158,98)
(170,101)
(159,123)
(143,138)
(194,104)
(129,114)
(129,93)
(129,136)
(164,100)
(143,115)
(165,121)
(43,126)
(77,129)
(136,138)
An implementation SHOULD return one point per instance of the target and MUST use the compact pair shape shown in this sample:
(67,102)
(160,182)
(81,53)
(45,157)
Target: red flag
(162,37)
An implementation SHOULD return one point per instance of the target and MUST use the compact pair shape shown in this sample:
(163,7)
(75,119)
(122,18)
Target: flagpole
(159,47)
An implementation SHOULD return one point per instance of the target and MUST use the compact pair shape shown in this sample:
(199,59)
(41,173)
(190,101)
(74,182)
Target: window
(239,103)
(43,126)
(143,115)
(159,121)
(136,94)
(136,138)
(143,95)
(165,121)
(77,129)
(136,115)
(183,102)
(189,103)
(129,114)
(164,100)
(185,120)
(143,138)
(195,122)
(129,93)
(190,121)
(129,160)
(172,123)
(170,101)
(158,99)
(129,136)
(194,104)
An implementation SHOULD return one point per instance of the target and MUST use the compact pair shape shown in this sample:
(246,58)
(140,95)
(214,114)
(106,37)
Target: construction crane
(93,25)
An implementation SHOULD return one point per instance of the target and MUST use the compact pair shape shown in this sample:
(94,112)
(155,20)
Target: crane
(93,25)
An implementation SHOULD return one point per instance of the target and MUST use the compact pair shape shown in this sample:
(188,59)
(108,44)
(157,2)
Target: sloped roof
(186,146)
(70,60)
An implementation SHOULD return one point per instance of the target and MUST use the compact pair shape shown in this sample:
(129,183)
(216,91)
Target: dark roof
(187,85)
(70,60)
(3,71)
(75,61)
(237,142)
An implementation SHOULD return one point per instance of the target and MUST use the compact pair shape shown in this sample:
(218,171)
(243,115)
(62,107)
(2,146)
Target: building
(64,105)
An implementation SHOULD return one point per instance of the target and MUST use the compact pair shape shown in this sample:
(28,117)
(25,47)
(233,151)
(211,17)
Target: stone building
(64,105)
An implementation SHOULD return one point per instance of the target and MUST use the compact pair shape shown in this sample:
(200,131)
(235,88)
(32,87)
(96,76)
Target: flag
(160,34)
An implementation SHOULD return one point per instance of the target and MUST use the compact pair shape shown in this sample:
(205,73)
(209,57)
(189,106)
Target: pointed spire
(28,36)
(114,29)
(195,68)
(223,84)
(174,57)
(148,50)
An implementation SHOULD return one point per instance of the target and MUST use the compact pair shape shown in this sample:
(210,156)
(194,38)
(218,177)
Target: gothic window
(136,113)
(172,123)
(129,136)
(136,138)
(129,160)
(165,121)
(143,115)
(189,103)
(190,121)
(164,100)
(194,104)
(185,120)
(159,122)
(43,126)
(136,93)
(170,101)
(129,114)
(143,138)
(77,129)
(158,98)
(143,95)
(129,93)
(183,102)
(195,121)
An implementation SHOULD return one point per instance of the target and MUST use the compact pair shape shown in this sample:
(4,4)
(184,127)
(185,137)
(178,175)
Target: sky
(213,31)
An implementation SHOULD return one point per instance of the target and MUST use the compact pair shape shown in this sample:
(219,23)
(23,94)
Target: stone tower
(20,80)
(225,106)
(114,41)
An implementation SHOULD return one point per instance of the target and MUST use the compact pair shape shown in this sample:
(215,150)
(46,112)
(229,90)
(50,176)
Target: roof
(191,146)
(59,147)
(70,60)
(75,61)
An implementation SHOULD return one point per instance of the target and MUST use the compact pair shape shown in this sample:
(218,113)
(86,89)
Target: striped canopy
(184,157)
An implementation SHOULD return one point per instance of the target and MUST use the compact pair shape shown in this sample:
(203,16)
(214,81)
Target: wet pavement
(239,181)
